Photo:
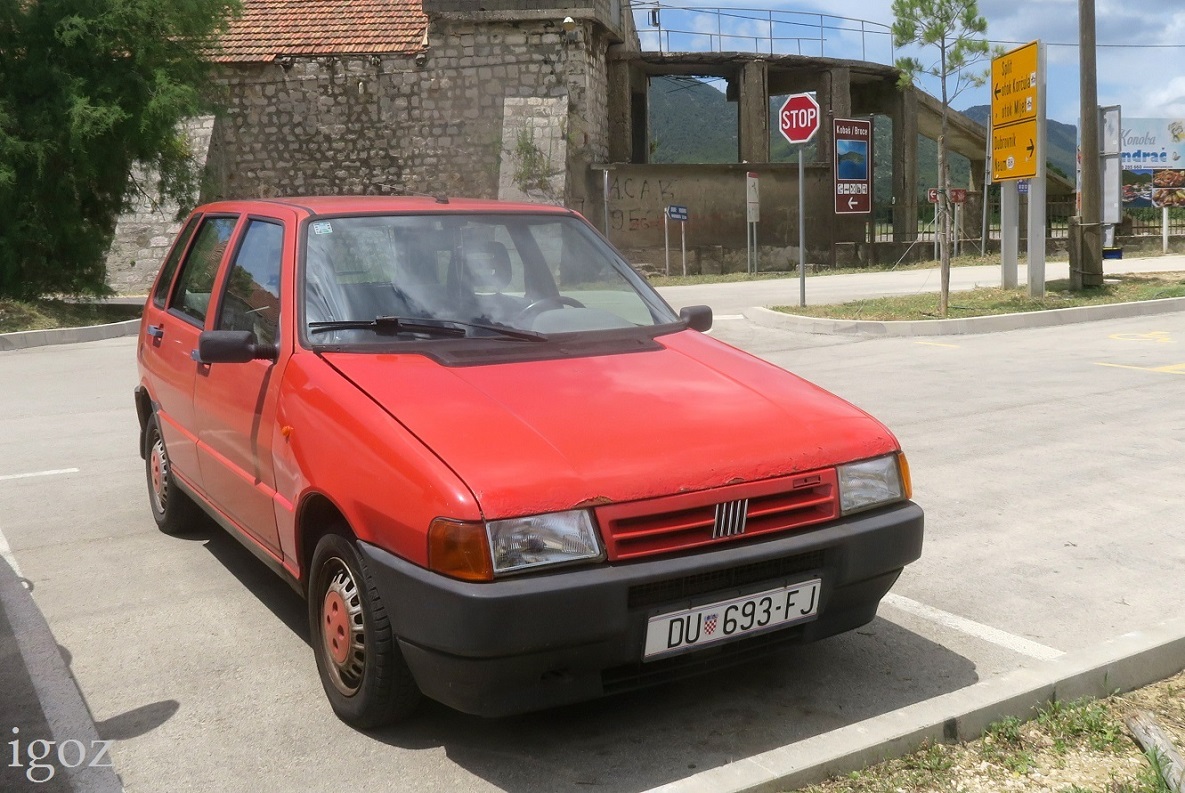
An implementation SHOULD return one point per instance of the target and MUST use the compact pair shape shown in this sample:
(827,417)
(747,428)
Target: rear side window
(252,298)
(192,297)
(161,293)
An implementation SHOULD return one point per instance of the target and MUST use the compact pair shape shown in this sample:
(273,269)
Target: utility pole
(1088,271)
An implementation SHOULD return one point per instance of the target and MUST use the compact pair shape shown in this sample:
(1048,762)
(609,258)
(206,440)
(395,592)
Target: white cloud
(1164,100)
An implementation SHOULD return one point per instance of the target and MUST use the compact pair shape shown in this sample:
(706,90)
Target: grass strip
(47,314)
(988,301)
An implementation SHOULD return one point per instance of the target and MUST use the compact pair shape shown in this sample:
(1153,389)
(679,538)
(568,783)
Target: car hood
(543,436)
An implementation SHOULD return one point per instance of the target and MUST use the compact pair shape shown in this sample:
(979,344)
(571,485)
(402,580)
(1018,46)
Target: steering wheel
(545,304)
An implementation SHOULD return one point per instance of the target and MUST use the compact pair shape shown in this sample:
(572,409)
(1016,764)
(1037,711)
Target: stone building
(494,99)
(388,96)
(521,99)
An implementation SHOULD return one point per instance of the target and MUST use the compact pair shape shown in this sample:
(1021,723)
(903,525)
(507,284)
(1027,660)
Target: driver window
(252,298)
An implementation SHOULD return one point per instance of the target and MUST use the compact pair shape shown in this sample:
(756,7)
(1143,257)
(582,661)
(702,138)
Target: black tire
(172,509)
(362,671)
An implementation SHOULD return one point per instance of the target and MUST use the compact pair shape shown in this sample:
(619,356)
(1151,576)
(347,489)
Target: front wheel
(362,671)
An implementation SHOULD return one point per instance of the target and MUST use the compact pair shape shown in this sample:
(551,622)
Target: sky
(1140,53)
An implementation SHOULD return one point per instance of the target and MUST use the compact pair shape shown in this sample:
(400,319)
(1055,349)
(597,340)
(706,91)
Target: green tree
(89,89)
(954,32)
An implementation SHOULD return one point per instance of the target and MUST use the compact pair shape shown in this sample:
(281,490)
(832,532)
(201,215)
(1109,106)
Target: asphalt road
(1047,460)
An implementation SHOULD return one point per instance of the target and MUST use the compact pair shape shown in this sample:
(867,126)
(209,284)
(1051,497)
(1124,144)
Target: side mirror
(232,346)
(697,317)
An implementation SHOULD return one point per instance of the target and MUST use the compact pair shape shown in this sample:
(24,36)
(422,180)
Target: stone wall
(450,121)
(145,231)
(387,124)
(636,197)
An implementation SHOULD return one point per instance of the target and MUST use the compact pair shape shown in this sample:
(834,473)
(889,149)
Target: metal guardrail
(669,28)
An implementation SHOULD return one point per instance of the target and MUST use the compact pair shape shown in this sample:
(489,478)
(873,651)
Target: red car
(503,472)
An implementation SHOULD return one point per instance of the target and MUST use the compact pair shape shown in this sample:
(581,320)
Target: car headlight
(557,538)
(871,483)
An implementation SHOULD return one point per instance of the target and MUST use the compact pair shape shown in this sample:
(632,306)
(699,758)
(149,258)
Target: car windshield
(542,274)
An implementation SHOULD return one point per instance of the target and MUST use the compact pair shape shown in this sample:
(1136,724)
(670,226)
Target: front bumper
(542,640)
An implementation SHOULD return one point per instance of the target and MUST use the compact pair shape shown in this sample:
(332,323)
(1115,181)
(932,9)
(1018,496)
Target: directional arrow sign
(1014,151)
(1015,83)
(853,166)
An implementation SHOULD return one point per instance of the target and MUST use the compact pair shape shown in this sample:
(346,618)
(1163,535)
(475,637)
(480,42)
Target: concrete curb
(954,327)
(61,700)
(1121,664)
(25,339)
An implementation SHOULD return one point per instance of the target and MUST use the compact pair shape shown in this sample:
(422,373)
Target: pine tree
(88,89)
(956,31)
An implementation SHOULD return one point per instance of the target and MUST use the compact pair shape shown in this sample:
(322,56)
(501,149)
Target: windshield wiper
(449,328)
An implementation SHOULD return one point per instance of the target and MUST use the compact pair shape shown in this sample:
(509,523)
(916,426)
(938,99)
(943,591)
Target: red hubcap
(335,622)
(156,472)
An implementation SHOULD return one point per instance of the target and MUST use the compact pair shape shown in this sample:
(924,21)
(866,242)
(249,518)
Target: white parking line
(1008,641)
(730,316)
(6,555)
(55,472)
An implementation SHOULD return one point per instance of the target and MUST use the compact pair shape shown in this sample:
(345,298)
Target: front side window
(252,297)
(196,282)
(540,274)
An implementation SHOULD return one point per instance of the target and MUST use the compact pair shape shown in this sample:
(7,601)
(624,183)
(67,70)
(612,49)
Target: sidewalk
(734,298)
(41,709)
(41,699)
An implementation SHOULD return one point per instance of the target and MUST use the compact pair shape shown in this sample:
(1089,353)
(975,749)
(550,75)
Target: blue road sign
(677,212)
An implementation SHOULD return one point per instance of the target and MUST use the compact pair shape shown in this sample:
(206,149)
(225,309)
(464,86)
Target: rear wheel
(362,671)
(173,510)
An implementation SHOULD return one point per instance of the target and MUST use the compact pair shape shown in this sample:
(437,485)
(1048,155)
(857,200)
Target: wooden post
(1153,739)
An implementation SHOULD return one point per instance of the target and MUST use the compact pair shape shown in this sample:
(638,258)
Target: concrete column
(835,101)
(904,113)
(640,126)
(620,118)
(753,113)
(976,195)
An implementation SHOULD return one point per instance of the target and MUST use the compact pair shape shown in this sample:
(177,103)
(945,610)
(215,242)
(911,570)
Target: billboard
(1153,162)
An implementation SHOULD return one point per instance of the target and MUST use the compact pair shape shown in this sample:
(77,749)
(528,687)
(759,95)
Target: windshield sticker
(322,227)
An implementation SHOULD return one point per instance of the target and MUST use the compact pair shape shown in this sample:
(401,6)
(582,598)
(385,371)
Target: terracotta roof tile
(269,28)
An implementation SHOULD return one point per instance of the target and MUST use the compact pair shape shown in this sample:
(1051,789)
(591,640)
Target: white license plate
(690,629)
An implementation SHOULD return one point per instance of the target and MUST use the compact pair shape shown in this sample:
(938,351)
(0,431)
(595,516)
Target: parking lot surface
(1046,461)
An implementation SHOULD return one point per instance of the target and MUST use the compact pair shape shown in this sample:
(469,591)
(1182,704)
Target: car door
(235,403)
(175,315)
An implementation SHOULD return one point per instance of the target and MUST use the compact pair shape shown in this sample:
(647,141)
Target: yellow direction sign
(1014,151)
(1014,85)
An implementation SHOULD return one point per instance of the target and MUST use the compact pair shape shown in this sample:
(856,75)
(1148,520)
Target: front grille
(689,520)
(675,589)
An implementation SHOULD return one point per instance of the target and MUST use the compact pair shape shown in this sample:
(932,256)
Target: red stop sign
(799,118)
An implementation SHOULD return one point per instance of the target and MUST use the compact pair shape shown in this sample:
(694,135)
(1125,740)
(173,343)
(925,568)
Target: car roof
(339,205)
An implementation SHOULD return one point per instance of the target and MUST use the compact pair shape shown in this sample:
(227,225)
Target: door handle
(156,331)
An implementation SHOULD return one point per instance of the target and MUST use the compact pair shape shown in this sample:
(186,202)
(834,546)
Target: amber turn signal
(460,550)
(906,482)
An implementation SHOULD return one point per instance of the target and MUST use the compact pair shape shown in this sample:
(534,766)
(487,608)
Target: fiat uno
(501,470)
